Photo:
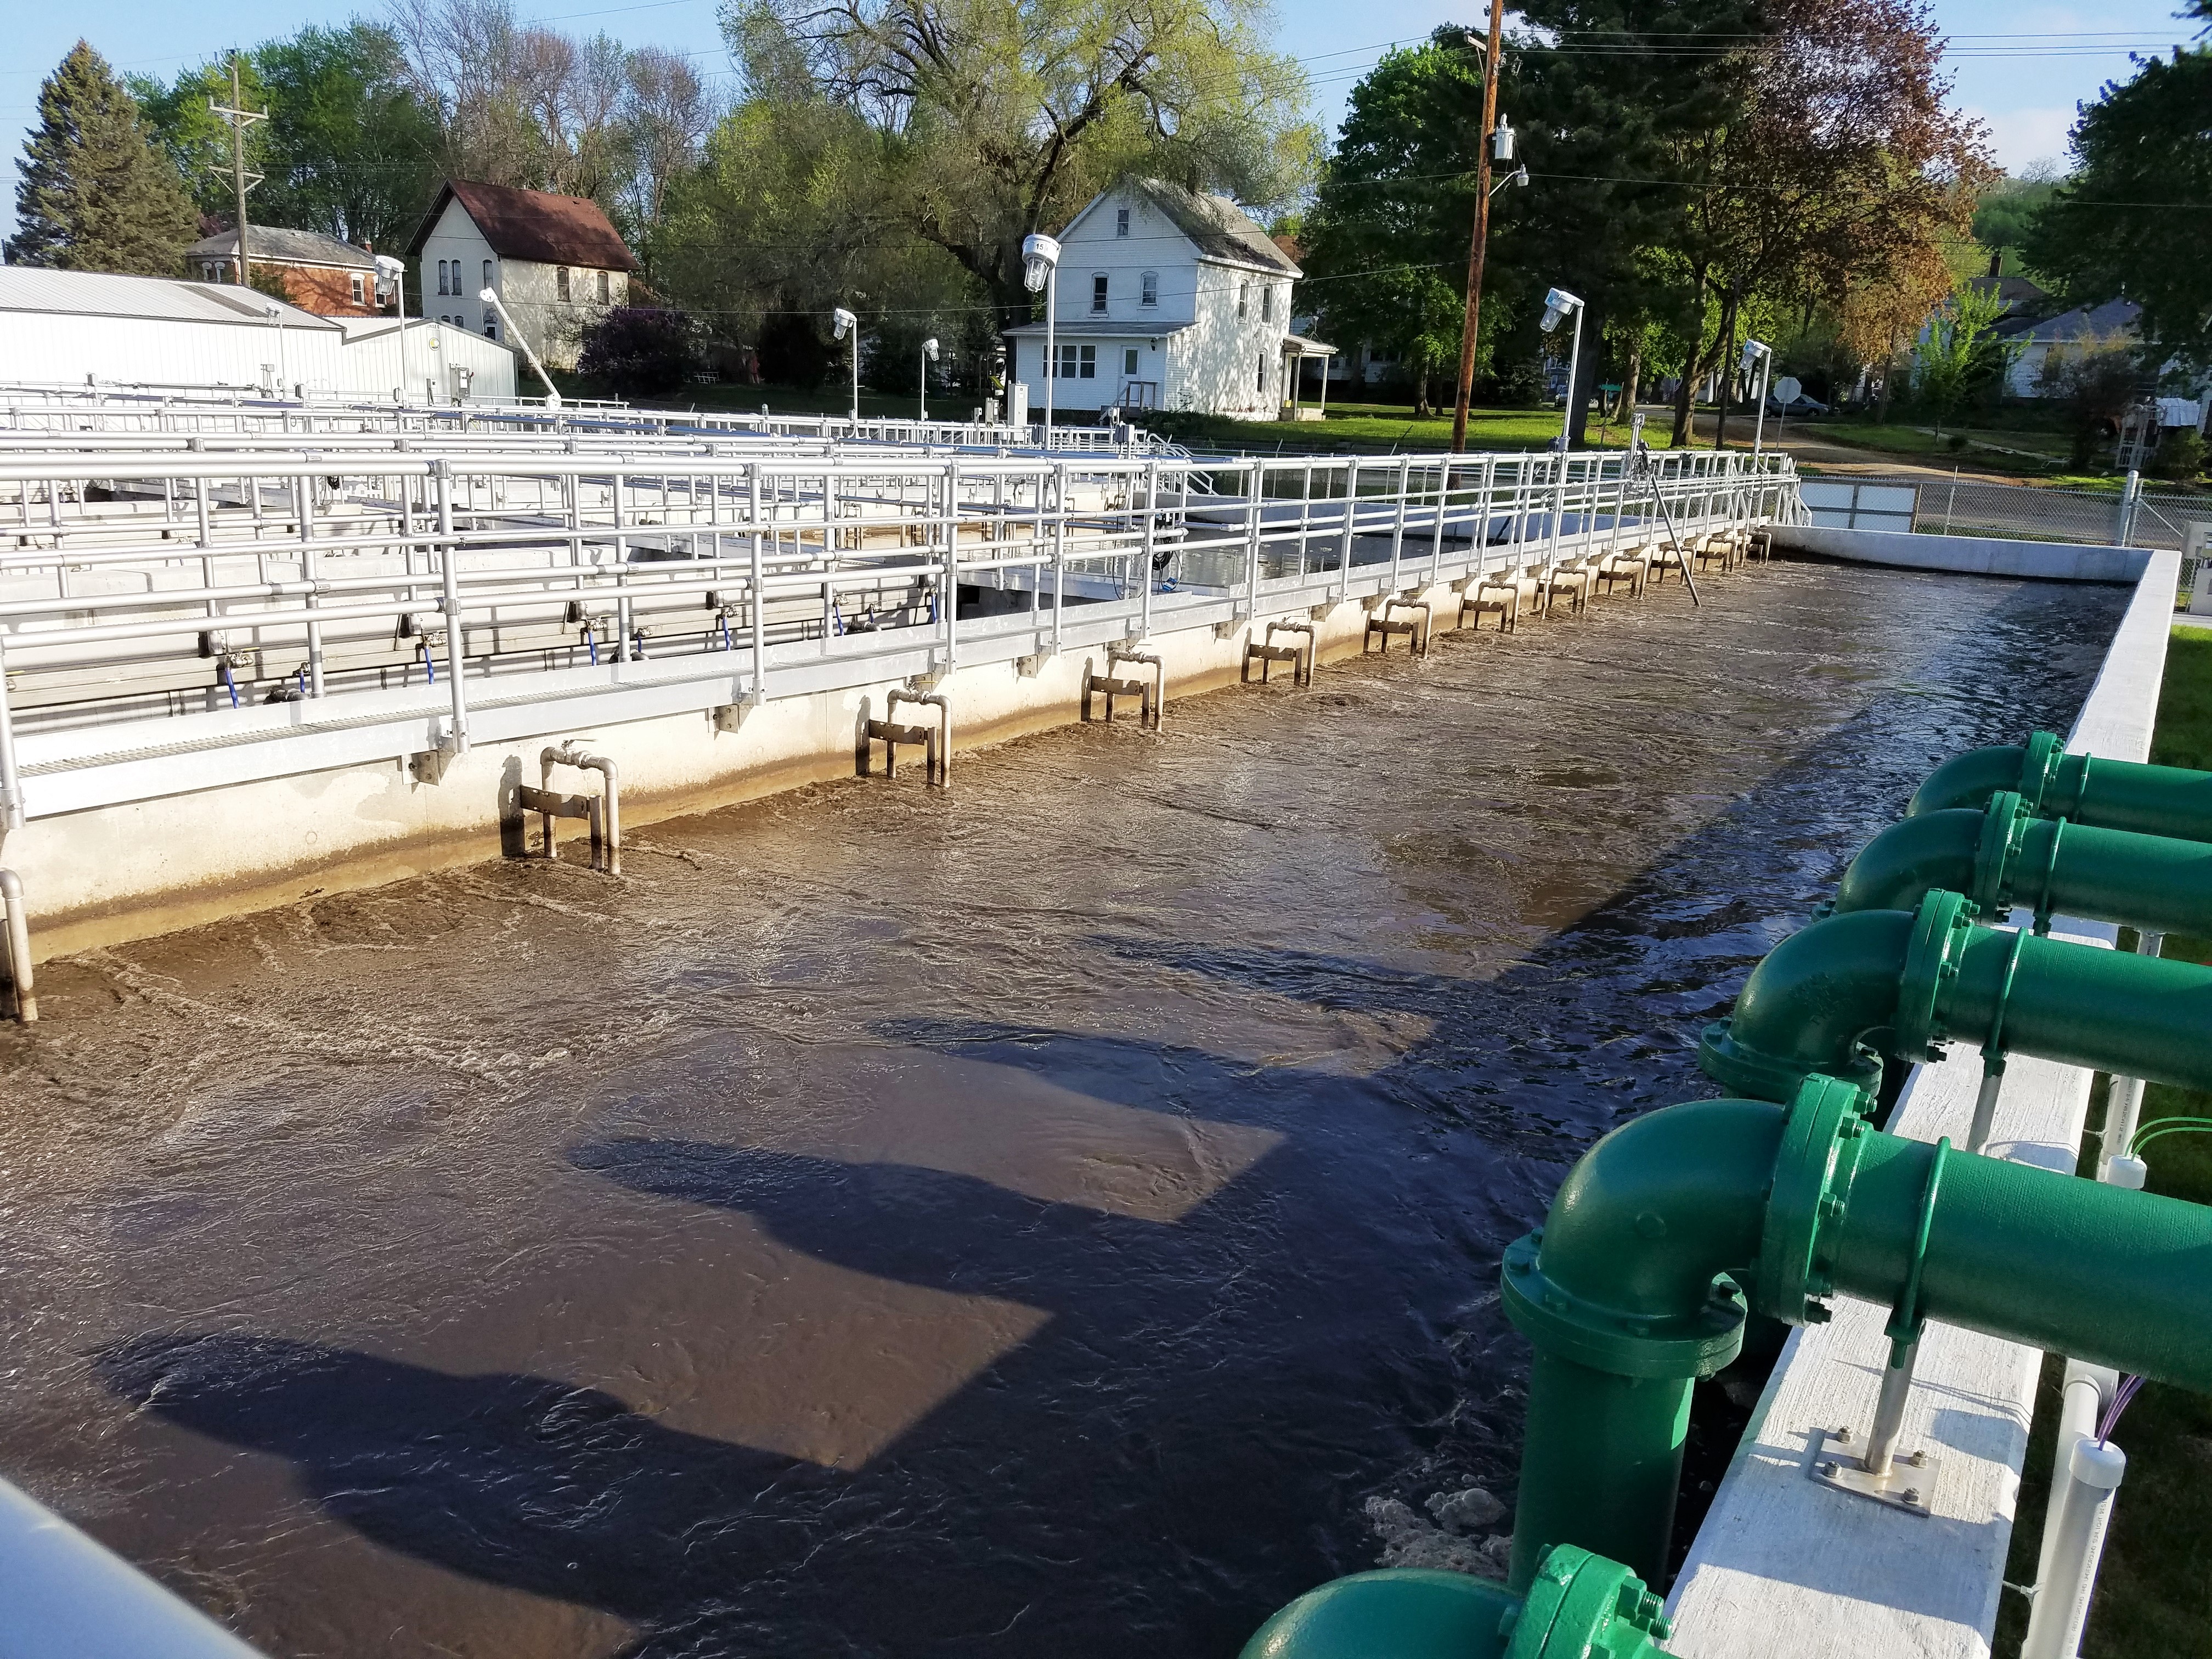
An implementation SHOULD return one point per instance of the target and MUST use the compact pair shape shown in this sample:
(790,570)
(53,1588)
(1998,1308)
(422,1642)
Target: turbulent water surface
(1042,1219)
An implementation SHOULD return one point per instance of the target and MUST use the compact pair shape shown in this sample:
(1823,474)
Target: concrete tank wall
(132,871)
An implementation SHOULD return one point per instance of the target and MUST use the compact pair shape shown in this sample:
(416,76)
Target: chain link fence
(1976,507)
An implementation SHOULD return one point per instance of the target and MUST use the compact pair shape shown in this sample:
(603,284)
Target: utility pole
(1468,329)
(240,118)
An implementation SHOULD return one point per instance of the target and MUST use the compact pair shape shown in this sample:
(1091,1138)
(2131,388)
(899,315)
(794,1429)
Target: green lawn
(1382,425)
(2155,1592)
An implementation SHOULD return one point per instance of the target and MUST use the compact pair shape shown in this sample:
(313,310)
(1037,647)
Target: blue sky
(2019,67)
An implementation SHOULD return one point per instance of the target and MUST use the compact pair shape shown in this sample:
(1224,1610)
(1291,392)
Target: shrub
(2181,456)
(639,349)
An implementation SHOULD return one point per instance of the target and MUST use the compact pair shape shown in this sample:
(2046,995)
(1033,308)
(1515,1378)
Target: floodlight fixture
(1559,305)
(842,323)
(1041,271)
(1040,258)
(928,356)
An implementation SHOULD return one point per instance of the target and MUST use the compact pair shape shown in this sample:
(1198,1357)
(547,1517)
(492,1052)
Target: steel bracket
(1835,1462)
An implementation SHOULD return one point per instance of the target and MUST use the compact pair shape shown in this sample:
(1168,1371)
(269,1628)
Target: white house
(1167,299)
(556,262)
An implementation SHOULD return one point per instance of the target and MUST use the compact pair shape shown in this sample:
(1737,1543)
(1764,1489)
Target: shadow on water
(1186,1440)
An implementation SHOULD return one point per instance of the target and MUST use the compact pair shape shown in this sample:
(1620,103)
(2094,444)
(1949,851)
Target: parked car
(1801,405)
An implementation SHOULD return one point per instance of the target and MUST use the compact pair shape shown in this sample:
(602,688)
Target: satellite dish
(1786,390)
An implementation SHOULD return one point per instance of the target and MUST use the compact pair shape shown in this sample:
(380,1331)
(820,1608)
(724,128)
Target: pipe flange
(1607,1339)
(2004,828)
(1753,1075)
(2038,769)
(1582,1604)
(1812,1173)
(1939,929)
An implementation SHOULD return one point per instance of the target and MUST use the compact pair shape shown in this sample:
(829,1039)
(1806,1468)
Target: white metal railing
(288,600)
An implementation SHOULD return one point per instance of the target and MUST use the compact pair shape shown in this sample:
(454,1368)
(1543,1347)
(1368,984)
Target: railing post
(1059,550)
(1344,542)
(1151,531)
(11,784)
(951,562)
(1252,528)
(758,598)
(448,555)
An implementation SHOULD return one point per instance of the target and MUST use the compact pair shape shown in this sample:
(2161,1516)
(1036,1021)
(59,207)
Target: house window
(561,283)
(1151,293)
(487,281)
(1129,361)
(491,325)
(445,284)
(1244,299)
(1078,362)
(357,288)
(602,288)
(1267,301)
(1098,292)
(1262,384)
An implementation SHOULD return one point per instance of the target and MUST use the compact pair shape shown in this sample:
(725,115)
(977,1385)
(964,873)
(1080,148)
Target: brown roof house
(555,261)
(318,273)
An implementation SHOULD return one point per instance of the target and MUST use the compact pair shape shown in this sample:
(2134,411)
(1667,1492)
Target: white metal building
(70,328)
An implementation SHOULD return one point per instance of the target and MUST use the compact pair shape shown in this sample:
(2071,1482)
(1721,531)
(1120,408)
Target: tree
(1610,98)
(1960,353)
(997,121)
(1840,177)
(1384,247)
(95,194)
(2094,383)
(348,150)
(2136,216)
(640,349)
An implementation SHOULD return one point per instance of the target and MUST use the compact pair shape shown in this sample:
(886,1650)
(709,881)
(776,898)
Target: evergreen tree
(95,195)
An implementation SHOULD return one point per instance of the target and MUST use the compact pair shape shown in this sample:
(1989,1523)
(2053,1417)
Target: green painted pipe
(1633,1277)
(2109,794)
(2002,857)
(1578,1606)
(1837,995)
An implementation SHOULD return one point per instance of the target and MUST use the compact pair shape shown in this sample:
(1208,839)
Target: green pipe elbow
(2002,857)
(1895,871)
(1969,779)
(2120,1278)
(1823,1000)
(2108,795)
(1578,1606)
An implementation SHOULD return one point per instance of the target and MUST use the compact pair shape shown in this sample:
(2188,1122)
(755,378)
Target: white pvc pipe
(2082,1491)
(18,925)
(63,1596)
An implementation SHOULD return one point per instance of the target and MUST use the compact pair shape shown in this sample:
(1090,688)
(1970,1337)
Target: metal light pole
(1041,270)
(395,272)
(1499,144)
(1757,350)
(928,356)
(846,323)
(490,297)
(1556,304)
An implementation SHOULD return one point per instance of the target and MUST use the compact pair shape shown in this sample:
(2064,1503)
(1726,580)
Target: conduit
(2111,794)
(17,921)
(1836,996)
(1635,1286)
(2003,857)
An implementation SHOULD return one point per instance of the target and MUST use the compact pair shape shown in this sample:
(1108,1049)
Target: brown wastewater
(1056,1218)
